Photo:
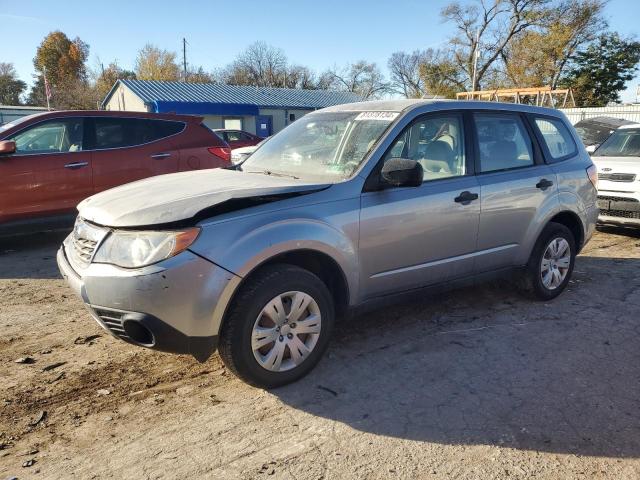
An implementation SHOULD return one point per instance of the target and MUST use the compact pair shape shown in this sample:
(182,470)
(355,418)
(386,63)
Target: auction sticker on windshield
(388,116)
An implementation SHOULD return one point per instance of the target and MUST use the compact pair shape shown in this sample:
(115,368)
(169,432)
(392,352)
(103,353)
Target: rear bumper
(171,306)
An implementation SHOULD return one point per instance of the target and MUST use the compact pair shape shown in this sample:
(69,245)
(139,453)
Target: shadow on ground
(485,366)
(30,256)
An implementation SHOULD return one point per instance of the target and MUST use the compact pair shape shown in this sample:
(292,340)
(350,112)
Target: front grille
(617,199)
(617,177)
(84,248)
(84,240)
(620,214)
(112,319)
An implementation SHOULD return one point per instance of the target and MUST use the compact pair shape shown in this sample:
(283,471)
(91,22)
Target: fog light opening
(138,333)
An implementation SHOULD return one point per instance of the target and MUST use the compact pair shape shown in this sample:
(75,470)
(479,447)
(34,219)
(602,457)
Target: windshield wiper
(274,174)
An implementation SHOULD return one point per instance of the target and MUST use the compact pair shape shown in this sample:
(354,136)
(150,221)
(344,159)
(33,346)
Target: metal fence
(626,112)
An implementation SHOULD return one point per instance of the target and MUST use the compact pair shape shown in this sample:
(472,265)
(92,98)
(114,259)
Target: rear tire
(278,326)
(551,264)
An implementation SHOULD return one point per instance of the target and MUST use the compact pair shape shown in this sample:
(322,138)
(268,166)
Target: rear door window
(128,132)
(503,142)
(556,137)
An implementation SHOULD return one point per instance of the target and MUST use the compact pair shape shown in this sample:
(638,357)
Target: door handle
(160,155)
(76,165)
(466,197)
(544,184)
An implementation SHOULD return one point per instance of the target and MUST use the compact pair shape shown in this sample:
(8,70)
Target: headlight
(130,249)
(237,158)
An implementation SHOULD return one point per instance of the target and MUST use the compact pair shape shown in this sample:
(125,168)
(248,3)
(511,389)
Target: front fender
(242,244)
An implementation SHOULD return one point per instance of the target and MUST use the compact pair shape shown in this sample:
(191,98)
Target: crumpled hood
(181,196)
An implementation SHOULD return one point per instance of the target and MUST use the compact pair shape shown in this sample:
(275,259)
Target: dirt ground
(475,384)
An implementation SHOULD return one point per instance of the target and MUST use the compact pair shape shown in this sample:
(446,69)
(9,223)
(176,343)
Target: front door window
(53,136)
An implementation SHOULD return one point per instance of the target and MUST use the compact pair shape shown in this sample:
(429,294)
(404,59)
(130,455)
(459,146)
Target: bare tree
(485,29)
(404,69)
(260,65)
(361,77)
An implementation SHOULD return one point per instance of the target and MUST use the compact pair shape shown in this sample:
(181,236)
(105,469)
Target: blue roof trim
(204,108)
(211,93)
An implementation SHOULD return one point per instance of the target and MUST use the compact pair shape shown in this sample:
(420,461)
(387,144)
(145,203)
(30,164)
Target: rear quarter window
(556,137)
(112,132)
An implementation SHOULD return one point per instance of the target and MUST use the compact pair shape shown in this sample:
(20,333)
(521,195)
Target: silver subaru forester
(347,208)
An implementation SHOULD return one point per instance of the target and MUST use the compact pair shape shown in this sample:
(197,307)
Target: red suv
(238,138)
(51,161)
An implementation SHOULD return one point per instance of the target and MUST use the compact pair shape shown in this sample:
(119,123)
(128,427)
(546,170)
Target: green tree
(598,73)
(64,60)
(154,63)
(108,77)
(11,88)
(440,75)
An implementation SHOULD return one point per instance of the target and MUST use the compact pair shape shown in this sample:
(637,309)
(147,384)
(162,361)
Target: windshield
(622,143)
(322,146)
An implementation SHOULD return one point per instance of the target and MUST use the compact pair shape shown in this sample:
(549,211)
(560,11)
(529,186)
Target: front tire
(551,263)
(277,327)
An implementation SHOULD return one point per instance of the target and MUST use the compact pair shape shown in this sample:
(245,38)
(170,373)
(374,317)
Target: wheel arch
(572,221)
(321,264)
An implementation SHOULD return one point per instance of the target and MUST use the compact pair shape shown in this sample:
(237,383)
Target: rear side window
(556,137)
(111,132)
(233,136)
(503,142)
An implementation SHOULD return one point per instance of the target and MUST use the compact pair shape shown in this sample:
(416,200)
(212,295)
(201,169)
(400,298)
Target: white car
(618,163)
(239,155)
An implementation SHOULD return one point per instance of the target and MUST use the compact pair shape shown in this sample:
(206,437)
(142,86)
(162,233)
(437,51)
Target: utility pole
(184,57)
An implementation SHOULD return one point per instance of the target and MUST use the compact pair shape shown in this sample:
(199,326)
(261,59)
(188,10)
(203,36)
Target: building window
(292,117)
(233,124)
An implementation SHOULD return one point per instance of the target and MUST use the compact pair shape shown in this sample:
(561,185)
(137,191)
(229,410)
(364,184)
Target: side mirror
(7,147)
(402,172)
(592,148)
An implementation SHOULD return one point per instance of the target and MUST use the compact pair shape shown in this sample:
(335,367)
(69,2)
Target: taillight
(592,173)
(222,152)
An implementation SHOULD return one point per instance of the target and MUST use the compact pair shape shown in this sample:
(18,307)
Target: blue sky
(319,34)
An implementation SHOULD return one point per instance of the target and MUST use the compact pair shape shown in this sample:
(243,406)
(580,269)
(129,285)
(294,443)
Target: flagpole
(46,89)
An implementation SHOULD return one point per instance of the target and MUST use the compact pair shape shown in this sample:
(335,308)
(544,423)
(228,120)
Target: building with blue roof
(259,110)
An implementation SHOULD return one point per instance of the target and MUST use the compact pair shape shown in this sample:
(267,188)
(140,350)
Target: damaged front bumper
(176,305)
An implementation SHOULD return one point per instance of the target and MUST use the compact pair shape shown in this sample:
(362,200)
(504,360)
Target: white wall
(626,112)
(124,99)
(280,118)
(217,121)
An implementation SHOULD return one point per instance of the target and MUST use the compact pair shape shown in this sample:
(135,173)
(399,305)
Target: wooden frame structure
(539,96)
